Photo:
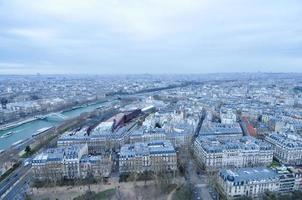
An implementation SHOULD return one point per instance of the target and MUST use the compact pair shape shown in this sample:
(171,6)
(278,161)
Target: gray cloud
(151,36)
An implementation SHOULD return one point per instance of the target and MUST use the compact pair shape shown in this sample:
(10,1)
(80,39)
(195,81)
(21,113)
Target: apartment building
(287,147)
(253,182)
(249,182)
(70,162)
(221,130)
(214,153)
(155,156)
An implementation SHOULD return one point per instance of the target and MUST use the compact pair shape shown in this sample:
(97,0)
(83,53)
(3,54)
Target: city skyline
(151,99)
(154,37)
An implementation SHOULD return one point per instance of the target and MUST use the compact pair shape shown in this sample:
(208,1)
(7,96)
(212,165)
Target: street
(13,178)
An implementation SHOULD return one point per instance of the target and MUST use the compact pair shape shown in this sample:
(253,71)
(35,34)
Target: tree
(269,196)
(27,149)
(245,198)
(157,125)
(90,179)
(4,101)
(297,195)
(146,176)
(34,97)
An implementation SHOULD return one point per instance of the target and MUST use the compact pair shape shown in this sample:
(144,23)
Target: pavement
(12,184)
(18,191)
(199,182)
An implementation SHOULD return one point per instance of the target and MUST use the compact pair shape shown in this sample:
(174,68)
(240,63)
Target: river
(26,130)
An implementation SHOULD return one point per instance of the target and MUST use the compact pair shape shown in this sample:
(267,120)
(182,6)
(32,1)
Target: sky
(150,36)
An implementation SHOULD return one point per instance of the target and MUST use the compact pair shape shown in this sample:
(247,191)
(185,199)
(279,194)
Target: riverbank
(26,120)
(28,129)
(15,124)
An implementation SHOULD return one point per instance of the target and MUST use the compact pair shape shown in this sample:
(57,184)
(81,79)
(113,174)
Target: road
(18,191)
(197,181)
(12,179)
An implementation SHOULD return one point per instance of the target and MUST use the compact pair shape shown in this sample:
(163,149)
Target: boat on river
(8,134)
(40,131)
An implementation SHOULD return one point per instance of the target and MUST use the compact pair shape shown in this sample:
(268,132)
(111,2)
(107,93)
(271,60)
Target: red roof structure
(249,127)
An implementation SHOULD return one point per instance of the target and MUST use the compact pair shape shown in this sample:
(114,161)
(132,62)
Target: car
(27,162)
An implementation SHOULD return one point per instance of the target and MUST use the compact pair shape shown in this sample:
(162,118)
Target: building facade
(227,117)
(287,147)
(153,156)
(253,182)
(249,182)
(70,162)
(96,166)
(99,140)
(147,136)
(214,153)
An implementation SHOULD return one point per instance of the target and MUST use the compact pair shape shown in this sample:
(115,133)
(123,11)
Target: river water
(26,130)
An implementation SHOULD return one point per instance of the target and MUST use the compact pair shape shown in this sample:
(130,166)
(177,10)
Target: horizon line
(137,74)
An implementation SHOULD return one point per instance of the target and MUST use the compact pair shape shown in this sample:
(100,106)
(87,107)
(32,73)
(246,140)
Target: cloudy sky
(150,36)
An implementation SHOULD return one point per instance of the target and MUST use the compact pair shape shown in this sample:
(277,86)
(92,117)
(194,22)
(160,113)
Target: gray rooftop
(141,148)
(286,140)
(243,175)
(212,144)
(59,154)
(221,129)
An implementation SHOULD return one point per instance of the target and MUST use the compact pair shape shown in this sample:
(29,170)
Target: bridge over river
(26,130)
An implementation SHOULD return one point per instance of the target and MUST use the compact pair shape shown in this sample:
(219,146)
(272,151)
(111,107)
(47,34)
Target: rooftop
(221,129)
(243,175)
(245,143)
(286,140)
(141,148)
(59,154)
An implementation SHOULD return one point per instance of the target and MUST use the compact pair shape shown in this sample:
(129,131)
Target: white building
(147,135)
(214,153)
(287,147)
(154,156)
(69,162)
(253,182)
(249,182)
(227,117)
